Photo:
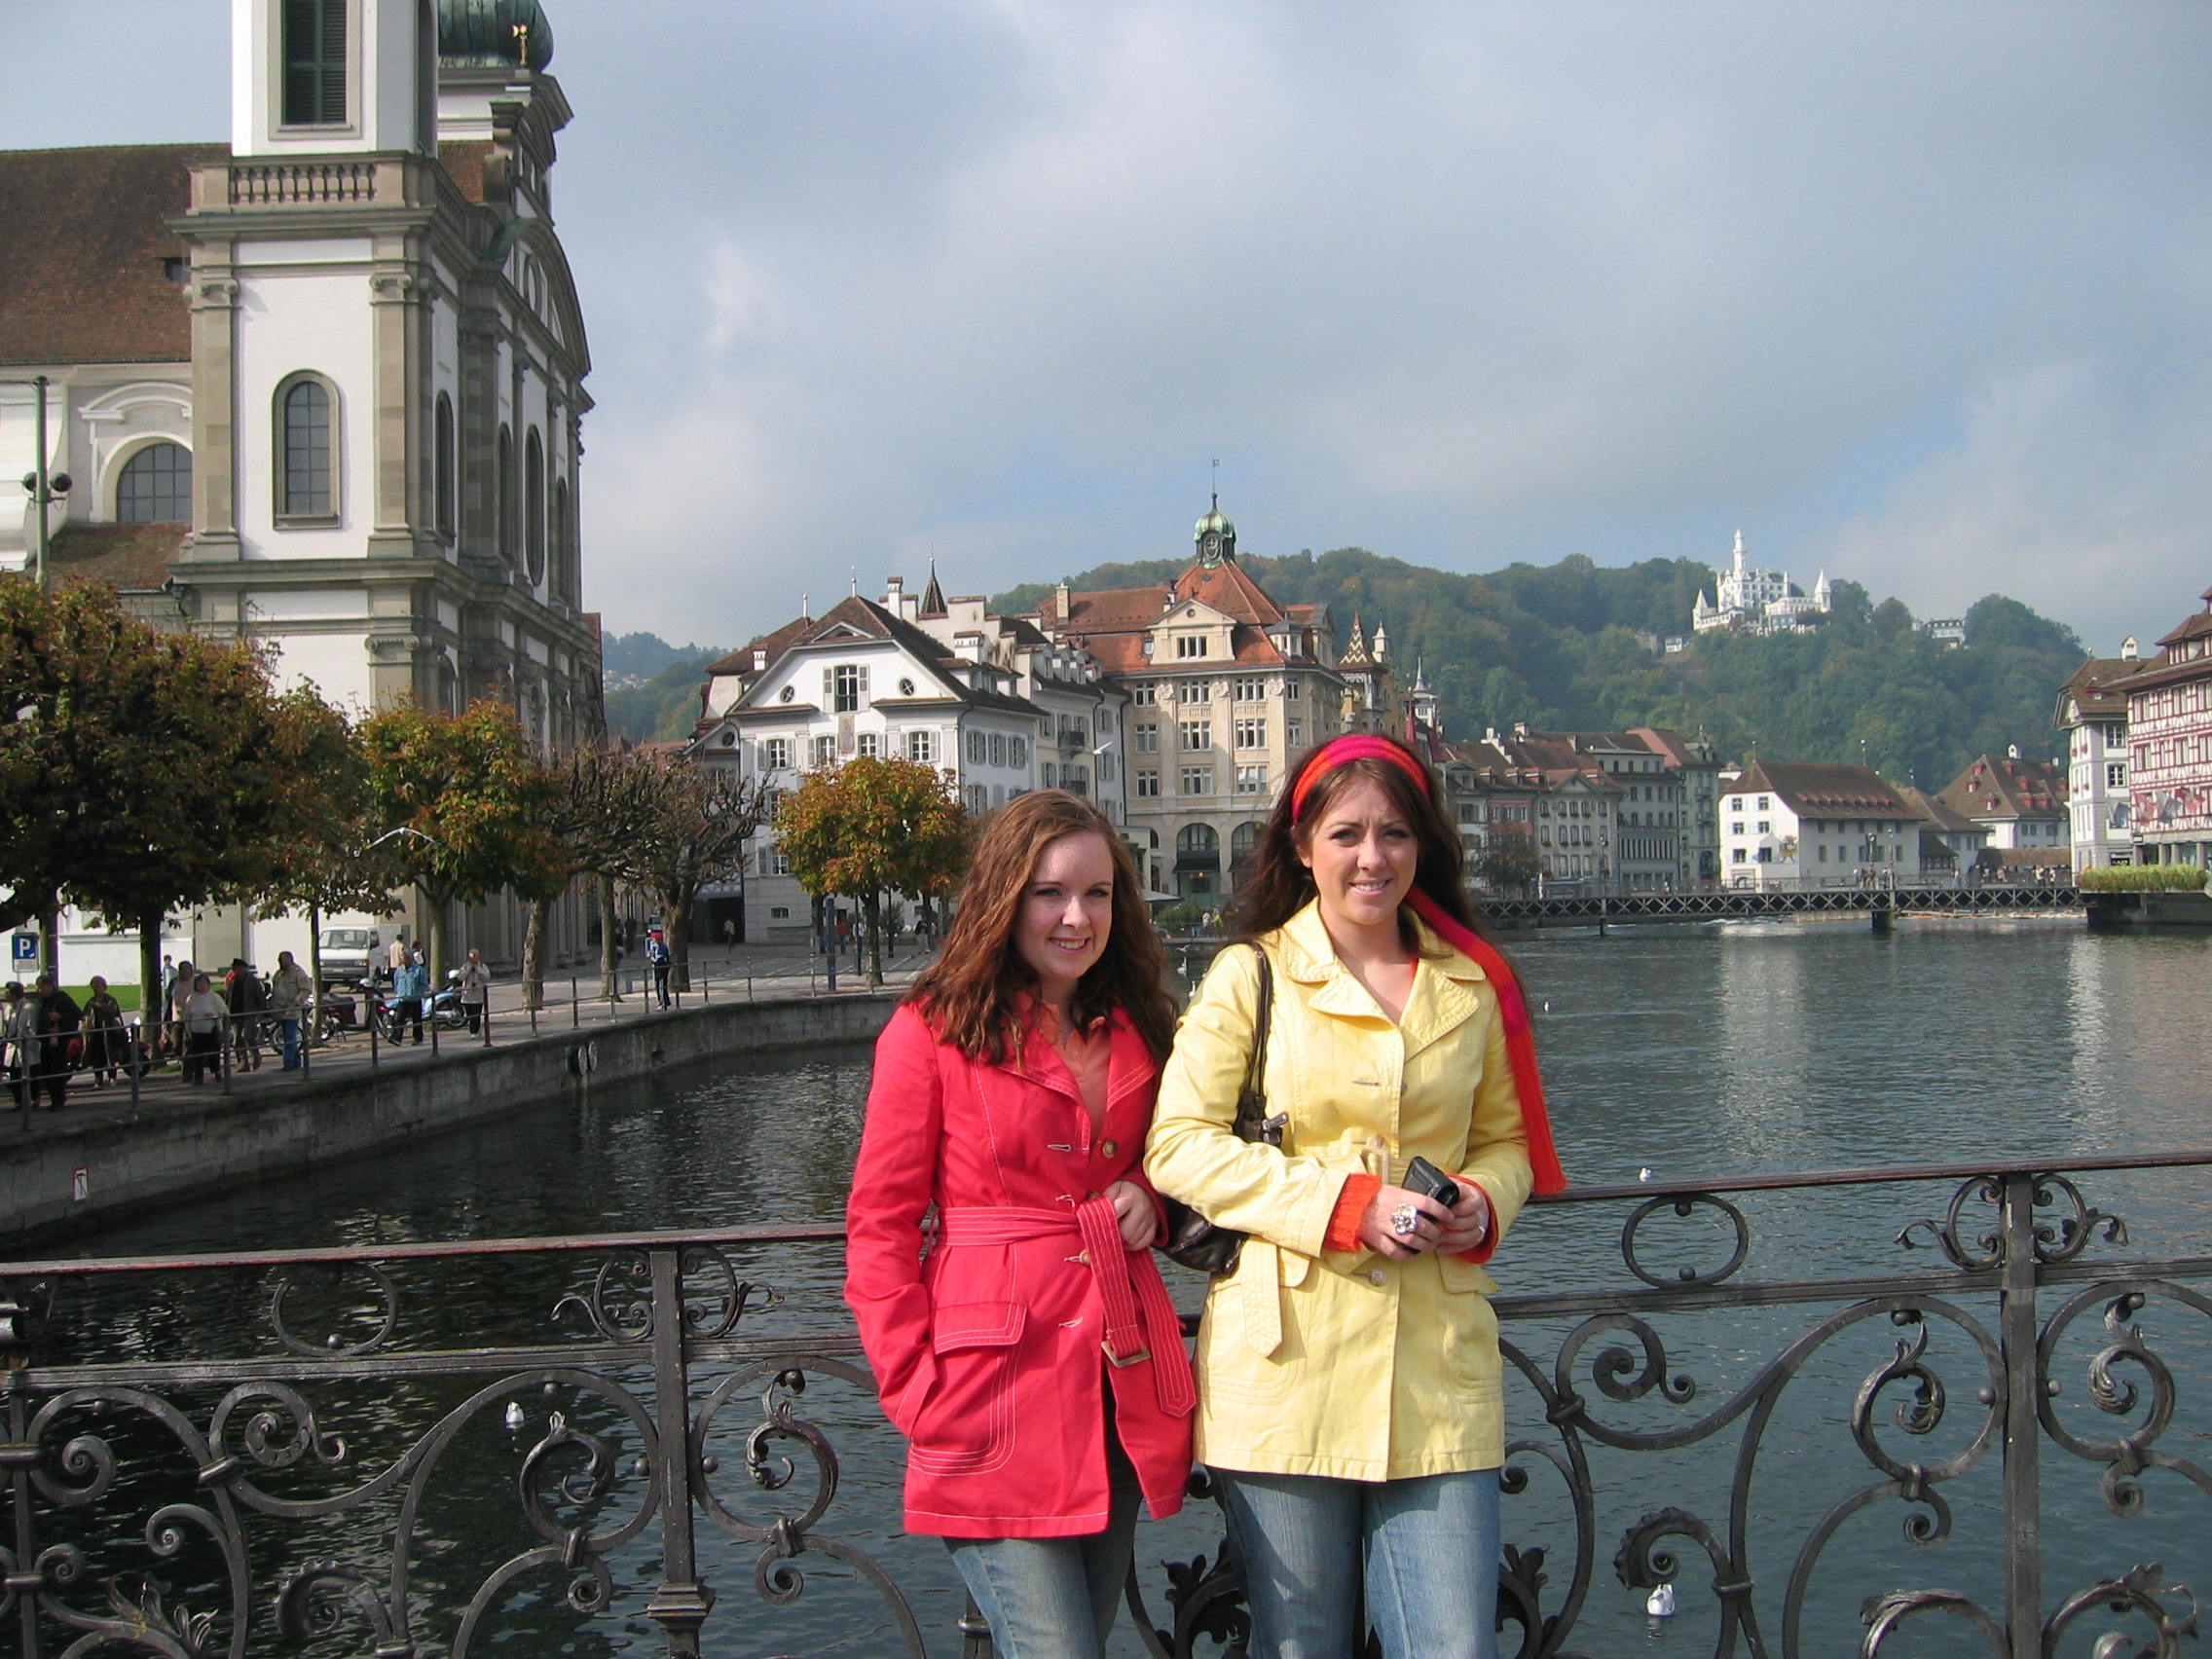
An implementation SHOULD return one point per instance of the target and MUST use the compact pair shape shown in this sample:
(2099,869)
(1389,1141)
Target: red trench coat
(988,1345)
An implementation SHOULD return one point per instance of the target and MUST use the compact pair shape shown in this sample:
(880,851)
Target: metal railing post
(131,1060)
(576,1010)
(223,1039)
(2023,1428)
(369,1008)
(679,1602)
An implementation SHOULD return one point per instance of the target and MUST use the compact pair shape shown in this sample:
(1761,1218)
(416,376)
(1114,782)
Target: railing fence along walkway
(297,1451)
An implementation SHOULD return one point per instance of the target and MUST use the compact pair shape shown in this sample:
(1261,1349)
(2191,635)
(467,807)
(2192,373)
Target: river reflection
(1692,1052)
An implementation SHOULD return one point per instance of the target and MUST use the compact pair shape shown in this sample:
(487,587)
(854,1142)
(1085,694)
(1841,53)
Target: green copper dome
(482,34)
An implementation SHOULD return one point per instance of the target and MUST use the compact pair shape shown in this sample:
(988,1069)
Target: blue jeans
(288,1036)
(1430,1545)
(1054,1597)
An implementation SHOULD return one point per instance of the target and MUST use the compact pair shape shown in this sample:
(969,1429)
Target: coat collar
(1130,1065)
(1444,985)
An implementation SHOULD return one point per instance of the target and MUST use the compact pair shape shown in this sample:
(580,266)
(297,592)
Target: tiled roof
(870,620)
(1229,589)
(126,557)
(83,252)
(2095,692)
(1814,789)
(1932,810)
(2003,786)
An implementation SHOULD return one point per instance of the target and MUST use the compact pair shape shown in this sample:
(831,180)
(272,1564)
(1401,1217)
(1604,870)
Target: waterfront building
(2169,739)
(1755,601)
(1226,687)
(2020,801)
(1950,842)
(322,385)
(1692,761)
(2092,712)
(1788,823)
(987,700)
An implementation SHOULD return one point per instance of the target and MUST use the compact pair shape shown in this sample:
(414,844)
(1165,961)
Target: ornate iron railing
(402,1450)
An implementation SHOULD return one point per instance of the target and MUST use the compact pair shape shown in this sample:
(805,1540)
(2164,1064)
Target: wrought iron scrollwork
(2058,1238)
(1685,1205)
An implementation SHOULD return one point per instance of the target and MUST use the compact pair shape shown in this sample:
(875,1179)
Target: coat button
(1107,1149)
(1378,1276)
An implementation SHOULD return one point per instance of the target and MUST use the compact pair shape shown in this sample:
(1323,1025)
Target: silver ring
(1404,1220)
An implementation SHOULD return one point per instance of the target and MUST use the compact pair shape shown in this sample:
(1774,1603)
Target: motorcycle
(442,1009)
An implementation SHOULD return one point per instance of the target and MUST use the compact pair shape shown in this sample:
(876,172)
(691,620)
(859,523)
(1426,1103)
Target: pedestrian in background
(107,1046)
(657,952)
(175,996)
(60,1021)
(475,988)
(19,1033)
(291,991)
(202,1020)
(410,989)
(249,1000)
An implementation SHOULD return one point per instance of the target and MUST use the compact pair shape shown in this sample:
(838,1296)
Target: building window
(1763,803)
(1196,734)
(1251,734)
(1250,688)
(998,748)
(1191,646)
(1106,765)
(504,496)
(2115,775)
(826,748)
(775,754)
(306,480)
(1290,691)
(1144,696)
(1194,691)
(1293,733)
(314,62)
(534,505)
(1017,751)
(156,486)
(774,861)
(1147,739)
(921,747)
(845,687)
(1197,780)
(1048,775)
(441,467)
(1251,779)
(563,584)
(979,799)
(977,750)
(870,744)
(1148,786)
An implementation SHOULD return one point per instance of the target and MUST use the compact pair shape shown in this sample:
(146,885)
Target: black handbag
(1194,1241)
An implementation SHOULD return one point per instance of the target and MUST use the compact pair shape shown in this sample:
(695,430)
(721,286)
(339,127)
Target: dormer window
(1191,646)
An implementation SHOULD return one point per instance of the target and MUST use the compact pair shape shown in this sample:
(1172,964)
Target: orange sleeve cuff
(1488,1248)
(1351,1204)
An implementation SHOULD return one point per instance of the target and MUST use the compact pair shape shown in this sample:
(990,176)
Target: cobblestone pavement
(573,1002)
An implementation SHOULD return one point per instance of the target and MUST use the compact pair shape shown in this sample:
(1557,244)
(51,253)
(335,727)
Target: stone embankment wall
(178,1153)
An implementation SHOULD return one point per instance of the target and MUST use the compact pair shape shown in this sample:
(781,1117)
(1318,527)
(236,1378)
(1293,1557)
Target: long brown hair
(1280,885)
(968,993)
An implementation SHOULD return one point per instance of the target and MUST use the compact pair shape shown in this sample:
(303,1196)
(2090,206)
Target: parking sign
(25,952)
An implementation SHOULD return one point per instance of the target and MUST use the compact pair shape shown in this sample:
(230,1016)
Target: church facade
(323,386)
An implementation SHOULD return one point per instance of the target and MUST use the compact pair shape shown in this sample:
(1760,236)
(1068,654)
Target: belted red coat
(995,1331)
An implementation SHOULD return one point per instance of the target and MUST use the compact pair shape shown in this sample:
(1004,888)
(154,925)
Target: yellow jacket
(1347,1365)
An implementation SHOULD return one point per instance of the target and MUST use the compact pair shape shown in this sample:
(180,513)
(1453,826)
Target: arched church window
(505,500)
(563,556)
(307,483)
(156,486)
(534,505)
(441,467)
(314,62)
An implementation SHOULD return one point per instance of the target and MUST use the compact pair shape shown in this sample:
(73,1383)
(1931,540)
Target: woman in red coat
(1024,1344)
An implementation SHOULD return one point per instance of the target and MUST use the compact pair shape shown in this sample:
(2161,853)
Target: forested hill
(1554,645)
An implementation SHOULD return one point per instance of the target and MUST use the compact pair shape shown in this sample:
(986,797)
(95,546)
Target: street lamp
(43,487)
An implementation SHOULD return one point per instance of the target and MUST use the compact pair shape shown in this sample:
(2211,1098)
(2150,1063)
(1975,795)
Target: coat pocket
(1469,1327)
(966,1425)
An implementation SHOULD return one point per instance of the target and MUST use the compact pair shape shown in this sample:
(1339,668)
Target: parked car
(349,955)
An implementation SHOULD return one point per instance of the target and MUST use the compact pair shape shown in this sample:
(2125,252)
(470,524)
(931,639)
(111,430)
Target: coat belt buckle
(1118,1362)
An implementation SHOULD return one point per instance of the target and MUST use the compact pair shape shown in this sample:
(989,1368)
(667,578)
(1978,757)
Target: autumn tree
(1509,862)
(699,828)
(145,770)
(873,826)
(602,806)
(469,797)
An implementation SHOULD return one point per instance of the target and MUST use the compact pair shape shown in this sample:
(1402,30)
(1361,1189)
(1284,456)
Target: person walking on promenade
(1012,1091)
(657,953)
(18,1036)
(107,1044)
(249,1001)
(1352,1412)
(203,1018)
(173,999)
(410,989)
(60,1023)
(397,954)
(290,994)
(475,988)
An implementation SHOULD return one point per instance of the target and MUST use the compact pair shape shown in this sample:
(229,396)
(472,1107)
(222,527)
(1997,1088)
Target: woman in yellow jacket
(1350,1396)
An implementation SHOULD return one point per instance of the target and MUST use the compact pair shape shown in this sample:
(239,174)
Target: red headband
(1512,1006)
(1339,751)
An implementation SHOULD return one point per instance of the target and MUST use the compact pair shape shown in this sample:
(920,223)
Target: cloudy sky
(1919,294)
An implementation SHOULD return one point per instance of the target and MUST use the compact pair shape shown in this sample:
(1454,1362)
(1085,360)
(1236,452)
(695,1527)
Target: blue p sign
(25,952)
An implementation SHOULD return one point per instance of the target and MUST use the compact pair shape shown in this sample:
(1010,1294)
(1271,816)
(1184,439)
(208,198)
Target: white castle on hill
(1760,601)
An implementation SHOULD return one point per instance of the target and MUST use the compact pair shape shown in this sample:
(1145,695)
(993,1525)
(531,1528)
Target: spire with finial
(933,596)
(805,608)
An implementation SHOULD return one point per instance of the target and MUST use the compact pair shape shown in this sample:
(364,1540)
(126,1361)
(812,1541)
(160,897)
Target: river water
(1695,1052)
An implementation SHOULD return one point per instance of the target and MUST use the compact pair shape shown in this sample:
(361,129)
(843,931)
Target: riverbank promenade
(572,1003)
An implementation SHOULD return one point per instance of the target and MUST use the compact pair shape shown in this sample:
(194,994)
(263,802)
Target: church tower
(333,77)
